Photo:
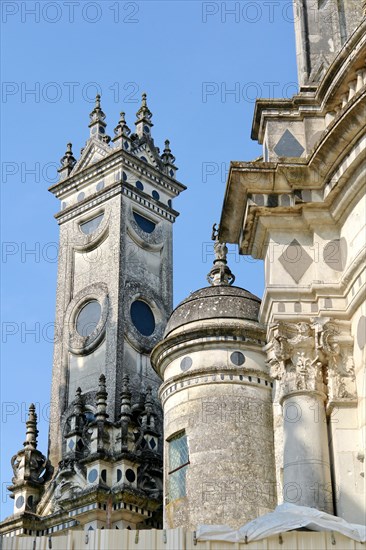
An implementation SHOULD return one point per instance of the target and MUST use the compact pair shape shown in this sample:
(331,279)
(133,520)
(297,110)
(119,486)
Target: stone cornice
(351,299)
(206,335)
(314,173)
(105,194)
(117,158)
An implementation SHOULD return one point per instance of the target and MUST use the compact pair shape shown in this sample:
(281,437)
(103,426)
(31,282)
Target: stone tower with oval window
(114,297)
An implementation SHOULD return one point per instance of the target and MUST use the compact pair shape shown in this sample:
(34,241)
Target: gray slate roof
(230,302)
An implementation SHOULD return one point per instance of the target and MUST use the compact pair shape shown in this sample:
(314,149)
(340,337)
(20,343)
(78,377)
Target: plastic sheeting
(286,517)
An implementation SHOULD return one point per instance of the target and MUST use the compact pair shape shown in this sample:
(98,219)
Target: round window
(88,318)
(155,195)
(237,358)
(186,363)
(19,501)
(93,474)
(142,317)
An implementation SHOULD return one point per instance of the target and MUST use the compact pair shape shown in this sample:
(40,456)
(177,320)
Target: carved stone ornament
(78,344)
(294,360)
(341,370)
(313,357)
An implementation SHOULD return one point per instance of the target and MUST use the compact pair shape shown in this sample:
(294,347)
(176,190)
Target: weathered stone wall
(217,391)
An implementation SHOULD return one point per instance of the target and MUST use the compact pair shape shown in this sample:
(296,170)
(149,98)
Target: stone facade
(302,209)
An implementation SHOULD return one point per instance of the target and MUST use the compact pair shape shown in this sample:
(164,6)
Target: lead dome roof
(215,302)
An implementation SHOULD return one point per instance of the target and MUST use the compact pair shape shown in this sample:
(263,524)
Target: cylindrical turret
(219,454)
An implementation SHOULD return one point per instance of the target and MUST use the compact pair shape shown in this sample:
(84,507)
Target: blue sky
(202,65)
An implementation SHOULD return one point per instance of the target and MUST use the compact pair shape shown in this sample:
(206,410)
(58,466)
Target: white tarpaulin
(286,517)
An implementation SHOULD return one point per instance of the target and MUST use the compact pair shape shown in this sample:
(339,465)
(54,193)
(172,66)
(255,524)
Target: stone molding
(151,241)
(249,377)
(208,334)
(82,345)
(116,158)
(83,242)
(134,290)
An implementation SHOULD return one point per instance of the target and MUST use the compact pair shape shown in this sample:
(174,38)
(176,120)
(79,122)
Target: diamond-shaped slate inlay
(295,260)
(288,146)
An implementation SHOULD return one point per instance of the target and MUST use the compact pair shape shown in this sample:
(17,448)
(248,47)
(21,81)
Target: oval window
(146,225)
(142,317)
(88,318)
(155,195)
(91,225)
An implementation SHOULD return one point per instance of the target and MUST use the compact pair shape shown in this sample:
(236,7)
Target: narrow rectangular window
(178,464)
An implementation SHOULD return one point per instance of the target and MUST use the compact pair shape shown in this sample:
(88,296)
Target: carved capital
(313,357)
(337,347)
(294,359)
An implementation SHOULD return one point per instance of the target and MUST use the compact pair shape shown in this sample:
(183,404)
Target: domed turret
(216,395)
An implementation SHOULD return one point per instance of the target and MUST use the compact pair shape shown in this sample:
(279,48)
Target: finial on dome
(220,274)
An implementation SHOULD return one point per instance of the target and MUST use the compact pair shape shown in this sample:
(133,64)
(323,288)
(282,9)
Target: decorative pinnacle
(148,417)
(97,114)
(78,402)
(68,160)
(125,398)
(144,112)
(31,432)
(220,274)
(148,400)
(122,128)
(167,156)
(102,394)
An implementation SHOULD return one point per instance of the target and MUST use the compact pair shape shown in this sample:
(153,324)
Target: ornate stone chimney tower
(219,452)
(322,28)
(114,297)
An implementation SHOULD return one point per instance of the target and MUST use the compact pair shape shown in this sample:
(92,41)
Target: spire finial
(169,159)
(31,432)
(121,129)
(68,162)
(144,111)
(144,116)
(78,402)
(97,117)
(102,395)
(125,415)
(125,397)
(220,274)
